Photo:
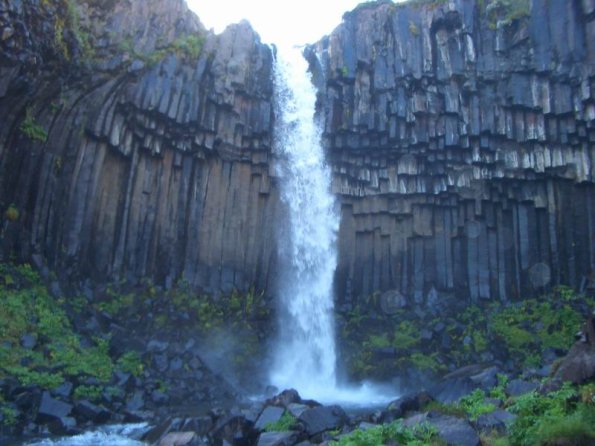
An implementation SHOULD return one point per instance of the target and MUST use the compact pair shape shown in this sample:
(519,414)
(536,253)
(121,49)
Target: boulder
(323,418)
(63,426)
(270,414)
(455,431)
(497,420)
(277,439)
(578,366)
(408,403)
(177,439)
(87,411)
(51,409)
(518,387)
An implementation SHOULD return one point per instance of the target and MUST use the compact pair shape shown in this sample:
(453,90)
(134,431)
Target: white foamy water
(306,357)
(115,435)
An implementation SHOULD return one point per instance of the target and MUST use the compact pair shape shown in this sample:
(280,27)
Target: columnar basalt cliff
(134,143)
(151,157)
(462,138)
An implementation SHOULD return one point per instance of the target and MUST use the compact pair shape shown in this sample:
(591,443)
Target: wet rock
(579,364)
(177,439)
(51,409)
(518,387)
(454,431)
(497,420)
(277,439)
(63,426)
(64,390)
(270,414)
(285,398)
(28,341)
(87,411)
(407,403)
(323,418)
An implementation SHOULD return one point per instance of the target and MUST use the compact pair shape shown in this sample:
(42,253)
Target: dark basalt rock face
(462,148)
(156,159)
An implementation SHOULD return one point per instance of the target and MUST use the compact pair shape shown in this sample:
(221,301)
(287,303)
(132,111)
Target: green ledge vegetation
(562,417)
(38,346)
(286,423)
(31,129)
(187,47)
(378,345)
(504,12)
(68,23)
(393,433)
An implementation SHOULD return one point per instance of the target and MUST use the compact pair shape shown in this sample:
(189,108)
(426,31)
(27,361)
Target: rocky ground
(147,355)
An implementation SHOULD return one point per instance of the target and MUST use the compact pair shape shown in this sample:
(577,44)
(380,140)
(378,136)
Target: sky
(283,22)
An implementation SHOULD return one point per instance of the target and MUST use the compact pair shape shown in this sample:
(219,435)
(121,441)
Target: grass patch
(28,309)
(423,434)
(31,129)
(286,423)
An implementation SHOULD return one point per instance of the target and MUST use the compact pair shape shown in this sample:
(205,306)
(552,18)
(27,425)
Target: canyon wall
(155,162)
(136,144)
(462,139)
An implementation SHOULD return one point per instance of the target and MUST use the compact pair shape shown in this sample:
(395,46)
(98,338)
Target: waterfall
(305,357)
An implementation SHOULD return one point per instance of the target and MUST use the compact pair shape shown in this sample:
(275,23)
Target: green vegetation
(376,345)
(556,418)
(31,129)
(54,351)
(286,423)
(68,23)
(504,12)
(188,47)
(421,435)
(413,28)
(11,213)
(132,363)
(92,393)
(475,405)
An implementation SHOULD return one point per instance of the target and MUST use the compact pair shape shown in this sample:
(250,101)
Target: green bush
(27,308)
(286,423)
(420,435)
(31,129)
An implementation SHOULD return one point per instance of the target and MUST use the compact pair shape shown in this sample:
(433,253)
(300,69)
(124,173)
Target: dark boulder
(277,439)
(235,430)
(87,411)
(63,426)
(51,409)
(323,418)
(518,387)
(579,364)
(455,431)
(270,414)
(407,403)
(497,420)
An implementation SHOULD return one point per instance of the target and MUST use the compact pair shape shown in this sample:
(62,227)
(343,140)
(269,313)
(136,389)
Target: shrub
(32,129)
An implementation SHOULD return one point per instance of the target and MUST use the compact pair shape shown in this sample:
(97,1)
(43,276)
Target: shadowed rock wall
(156,158)
(462,145)
(461,140)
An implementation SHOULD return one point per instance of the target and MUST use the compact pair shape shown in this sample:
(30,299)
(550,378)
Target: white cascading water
(305,358)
